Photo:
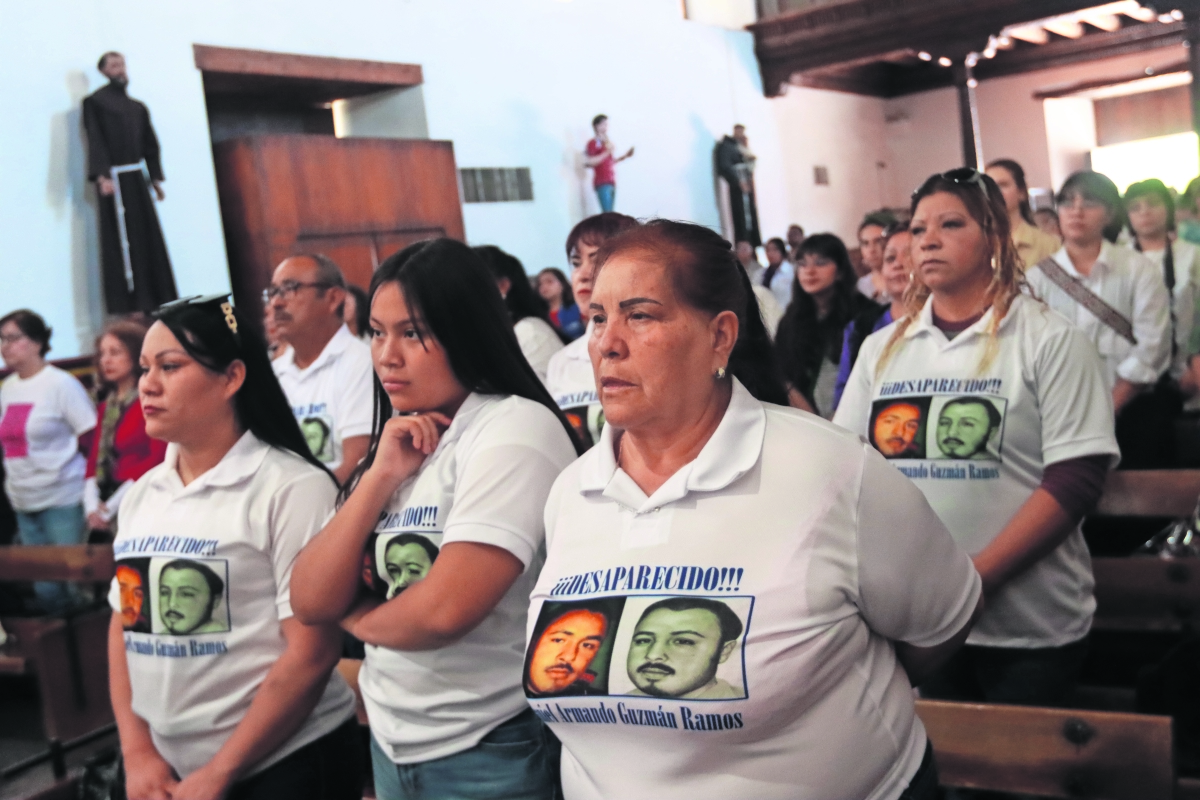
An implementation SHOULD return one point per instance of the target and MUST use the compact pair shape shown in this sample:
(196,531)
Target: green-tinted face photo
(673,653)
(405,564)
(184,600)
(316,436)
(963,430)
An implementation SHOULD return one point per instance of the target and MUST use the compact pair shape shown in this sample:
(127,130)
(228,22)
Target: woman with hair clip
(1033,244)
(122,452)
(824,301)
(538,338)
(997,409)
(1151,212)
(721,602)
(1118,298)
(555,289)
(218,690)
(466,445)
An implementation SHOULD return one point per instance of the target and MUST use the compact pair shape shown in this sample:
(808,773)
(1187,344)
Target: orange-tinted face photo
(896,428)
(133,594)
(565,651)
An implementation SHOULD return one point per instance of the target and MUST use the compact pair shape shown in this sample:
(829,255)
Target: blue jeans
(510,763)
(606,194)
(57,525)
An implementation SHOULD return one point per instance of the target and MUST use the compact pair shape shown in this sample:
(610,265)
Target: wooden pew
(83,563)
(1051,752)
(1150,493)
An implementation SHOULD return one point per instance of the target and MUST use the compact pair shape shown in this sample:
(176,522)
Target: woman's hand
(96,521)
(206,783)
(405,443)
(149,777)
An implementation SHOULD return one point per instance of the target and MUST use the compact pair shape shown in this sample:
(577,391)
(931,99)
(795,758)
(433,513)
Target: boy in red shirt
(599,156)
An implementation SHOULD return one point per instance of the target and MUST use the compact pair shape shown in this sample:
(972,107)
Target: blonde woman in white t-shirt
(432,554)
(737,594)
(217,689)
(998,410)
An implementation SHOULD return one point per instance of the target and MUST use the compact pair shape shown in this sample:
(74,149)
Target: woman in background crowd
(46,422)
(554,288)
(779,272)
(252,712)
(121,451)
(897,273)
(809,342)
(431,557)
(857,588)
(357,312)
(569,377)
(538,338)
(1033,244)
(998,411)
(1134,335)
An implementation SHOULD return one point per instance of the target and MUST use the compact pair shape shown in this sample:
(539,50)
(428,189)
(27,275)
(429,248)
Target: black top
(118,132)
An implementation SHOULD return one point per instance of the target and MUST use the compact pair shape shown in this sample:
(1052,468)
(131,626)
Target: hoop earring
(995,266)
(720,374)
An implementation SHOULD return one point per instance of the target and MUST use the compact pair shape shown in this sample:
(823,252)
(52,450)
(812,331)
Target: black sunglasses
(220,302)
(963,176)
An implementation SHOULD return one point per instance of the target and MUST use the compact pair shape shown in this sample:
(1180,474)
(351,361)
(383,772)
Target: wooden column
(968,113)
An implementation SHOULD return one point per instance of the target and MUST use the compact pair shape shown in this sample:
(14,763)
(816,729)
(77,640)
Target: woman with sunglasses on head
(218,690)
(1033,244)
(997,409)
(431,557)
(121,451)
(1118,298)
(825,299)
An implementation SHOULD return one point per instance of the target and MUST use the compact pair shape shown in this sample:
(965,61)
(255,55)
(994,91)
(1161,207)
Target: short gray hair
(327,269)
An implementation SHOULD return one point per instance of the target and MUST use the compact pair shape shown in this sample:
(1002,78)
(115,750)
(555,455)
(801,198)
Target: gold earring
(720,373)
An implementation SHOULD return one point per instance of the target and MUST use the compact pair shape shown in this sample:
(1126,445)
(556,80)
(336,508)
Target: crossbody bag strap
(1088,299)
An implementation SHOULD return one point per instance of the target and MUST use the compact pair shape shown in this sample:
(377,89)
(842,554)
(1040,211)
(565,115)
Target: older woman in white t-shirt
(727,578)
(997,408)
(431,556)
(217,689)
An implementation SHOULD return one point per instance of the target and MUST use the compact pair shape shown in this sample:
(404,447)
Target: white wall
(922,138)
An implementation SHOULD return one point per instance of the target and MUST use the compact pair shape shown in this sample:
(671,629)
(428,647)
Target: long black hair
(804,339)
(708,277)
(448,288)
(522,301)
(216,334)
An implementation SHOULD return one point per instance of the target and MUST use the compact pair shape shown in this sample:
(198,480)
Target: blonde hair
(985,204)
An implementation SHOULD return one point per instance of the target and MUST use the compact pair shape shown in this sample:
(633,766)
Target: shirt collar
(236,466)
(1103,262)
(923,324)
(731,452)
(333,348)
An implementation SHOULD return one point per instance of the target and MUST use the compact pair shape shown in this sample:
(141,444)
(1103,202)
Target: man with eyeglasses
(325,371)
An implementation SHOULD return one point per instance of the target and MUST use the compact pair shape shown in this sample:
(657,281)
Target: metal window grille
(495,184)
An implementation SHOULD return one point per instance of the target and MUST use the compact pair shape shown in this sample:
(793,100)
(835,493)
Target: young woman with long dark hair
(1033,244)
(997,409)
(555,289)
(537,336)
(467,443)
(809,342)
(218,690)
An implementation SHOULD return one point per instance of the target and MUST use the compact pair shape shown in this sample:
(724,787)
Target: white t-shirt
(781,283)
(333,396)
(572,383)
(538,343)
(202,584)
(1186,258)
(728,636)
(41,420)
(1127,281)
(768,309)
(486,482)
(1042,399)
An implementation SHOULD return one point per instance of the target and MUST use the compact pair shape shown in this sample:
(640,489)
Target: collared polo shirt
(572,383)
(202,585)
(333,396)
(730,634)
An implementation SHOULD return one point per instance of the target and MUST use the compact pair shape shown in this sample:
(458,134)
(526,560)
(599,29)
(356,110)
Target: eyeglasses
(12,338)
(287,290)
(1081,201)
(220,303)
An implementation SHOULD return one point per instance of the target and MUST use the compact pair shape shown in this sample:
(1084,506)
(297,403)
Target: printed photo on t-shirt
(133,582)
(571,648)
(188,596)
(965,427)
(318,433)
(395,561)
(587,421)
(898,426)
(681,648)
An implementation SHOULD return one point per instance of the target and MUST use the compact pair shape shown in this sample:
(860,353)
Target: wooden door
(357,201)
